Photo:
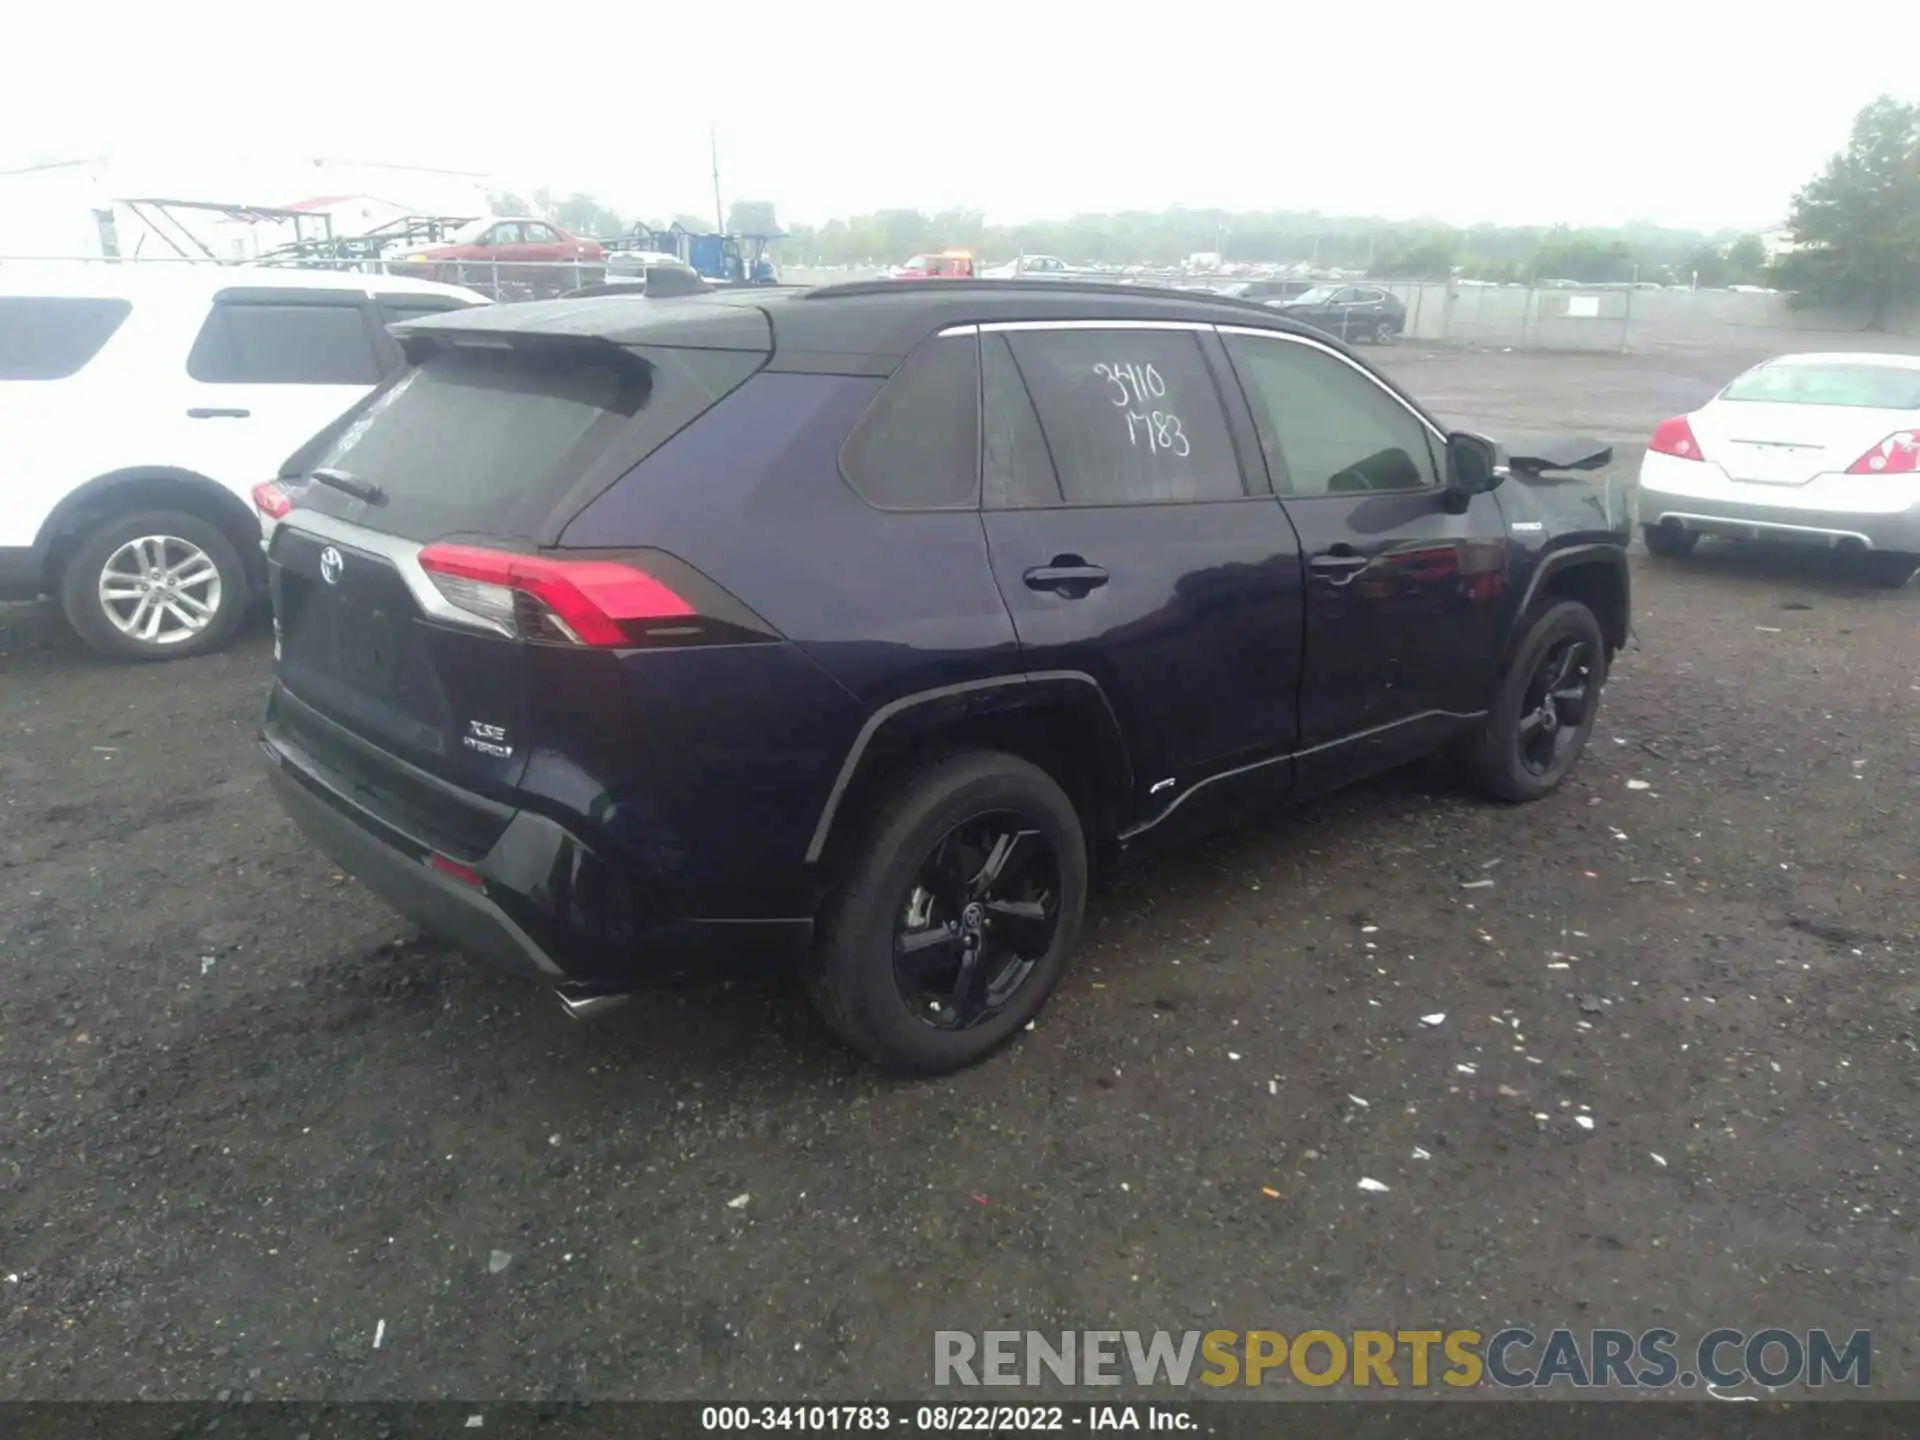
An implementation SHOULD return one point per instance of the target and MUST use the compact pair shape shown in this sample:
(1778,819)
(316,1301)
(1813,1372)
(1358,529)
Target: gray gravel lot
(245,1117)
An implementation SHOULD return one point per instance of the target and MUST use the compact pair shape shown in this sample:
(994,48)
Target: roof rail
(1027,287)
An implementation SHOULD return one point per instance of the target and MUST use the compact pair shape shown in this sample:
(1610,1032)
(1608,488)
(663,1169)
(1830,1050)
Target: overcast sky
(1685,113)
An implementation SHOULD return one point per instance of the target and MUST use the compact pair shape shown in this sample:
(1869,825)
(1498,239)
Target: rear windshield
(488,442)
(1874,387)
(52,337)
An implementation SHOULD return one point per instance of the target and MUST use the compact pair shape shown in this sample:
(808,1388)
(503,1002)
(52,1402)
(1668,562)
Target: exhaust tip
(587,1006)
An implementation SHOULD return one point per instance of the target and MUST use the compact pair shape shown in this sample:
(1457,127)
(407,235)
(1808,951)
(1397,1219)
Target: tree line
(1854,234)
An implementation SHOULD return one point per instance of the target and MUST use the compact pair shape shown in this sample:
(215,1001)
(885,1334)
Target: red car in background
(508,256)
(947,265)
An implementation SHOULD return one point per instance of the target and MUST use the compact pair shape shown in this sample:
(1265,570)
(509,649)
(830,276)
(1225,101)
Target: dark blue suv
(623,637)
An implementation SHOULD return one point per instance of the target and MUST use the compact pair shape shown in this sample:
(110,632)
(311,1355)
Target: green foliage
(1856,225)
(1421,249)
(1585,256)
(1428,257)
(1705,267)
(1747,260)
(581,214)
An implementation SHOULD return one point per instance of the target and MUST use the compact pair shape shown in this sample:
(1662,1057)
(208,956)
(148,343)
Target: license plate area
(1772,465)
(364,641)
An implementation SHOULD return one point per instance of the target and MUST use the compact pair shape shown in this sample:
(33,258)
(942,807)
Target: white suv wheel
(160,585)
(160,589)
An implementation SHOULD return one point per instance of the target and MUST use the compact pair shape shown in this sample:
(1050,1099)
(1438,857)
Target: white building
(78,207)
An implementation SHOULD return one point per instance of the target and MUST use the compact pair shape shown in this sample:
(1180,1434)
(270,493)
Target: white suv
(139,405)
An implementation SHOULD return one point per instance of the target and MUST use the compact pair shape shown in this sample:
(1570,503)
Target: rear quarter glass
(53,337)
(497,441)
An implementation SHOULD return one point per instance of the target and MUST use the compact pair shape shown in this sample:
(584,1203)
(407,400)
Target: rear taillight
(1898,454)
(605,603)
(1675,437)
(271,501)
(454,870)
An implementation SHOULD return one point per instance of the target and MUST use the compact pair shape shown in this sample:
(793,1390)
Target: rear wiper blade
(352,485)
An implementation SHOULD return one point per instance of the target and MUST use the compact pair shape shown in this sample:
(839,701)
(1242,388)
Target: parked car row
(1367,313)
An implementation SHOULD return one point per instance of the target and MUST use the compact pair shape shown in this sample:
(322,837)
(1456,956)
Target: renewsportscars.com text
(1510,1358)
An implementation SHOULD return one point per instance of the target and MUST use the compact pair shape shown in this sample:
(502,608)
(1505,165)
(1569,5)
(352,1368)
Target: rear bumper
(22,568)
(437,904)
(547,906)
(1877,513)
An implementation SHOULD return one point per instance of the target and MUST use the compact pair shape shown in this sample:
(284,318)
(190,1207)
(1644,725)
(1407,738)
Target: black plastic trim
(824,826)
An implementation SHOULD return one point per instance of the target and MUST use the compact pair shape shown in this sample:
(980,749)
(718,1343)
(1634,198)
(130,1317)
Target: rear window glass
(488,442)
(52,337)
(918,445)
(1873,387)
(246,343)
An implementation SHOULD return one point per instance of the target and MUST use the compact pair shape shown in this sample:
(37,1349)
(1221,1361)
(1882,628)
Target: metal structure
(396,238)
(159,218)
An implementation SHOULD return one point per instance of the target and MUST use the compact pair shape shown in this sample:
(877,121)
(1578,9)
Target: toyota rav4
(620,638)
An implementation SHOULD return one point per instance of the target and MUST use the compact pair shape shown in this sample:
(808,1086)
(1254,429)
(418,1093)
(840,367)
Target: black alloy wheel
(958,911)
(981,910)
(1557,704)
(1545,707)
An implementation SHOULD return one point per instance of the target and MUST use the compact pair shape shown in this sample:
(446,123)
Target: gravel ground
(248,1122)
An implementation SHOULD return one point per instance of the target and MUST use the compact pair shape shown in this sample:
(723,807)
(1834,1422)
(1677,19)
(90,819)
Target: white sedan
(1814,449)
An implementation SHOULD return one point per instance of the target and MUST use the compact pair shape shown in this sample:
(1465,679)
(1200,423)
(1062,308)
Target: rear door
(1130,543)
(1403,586)
(269,368)
(495,446)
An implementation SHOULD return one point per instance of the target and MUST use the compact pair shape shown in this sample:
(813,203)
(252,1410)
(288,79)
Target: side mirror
(1474,465)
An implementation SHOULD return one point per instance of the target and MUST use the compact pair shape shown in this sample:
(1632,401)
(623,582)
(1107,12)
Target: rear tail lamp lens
(1675,437)
(603,603)
(1898,454)
(271,501)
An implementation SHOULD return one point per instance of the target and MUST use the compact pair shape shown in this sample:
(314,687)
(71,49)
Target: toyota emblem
(331,565)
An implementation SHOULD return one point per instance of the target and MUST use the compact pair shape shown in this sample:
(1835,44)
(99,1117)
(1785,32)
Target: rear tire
(1891,569)
(1385,333)
(160,585)
(1546,706)
(927,830)
(1669,541)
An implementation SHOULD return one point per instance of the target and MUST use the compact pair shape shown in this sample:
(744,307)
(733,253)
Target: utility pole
(719,215)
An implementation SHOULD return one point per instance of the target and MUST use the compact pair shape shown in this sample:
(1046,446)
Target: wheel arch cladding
(126,492)
(1594,575)
(1062,724)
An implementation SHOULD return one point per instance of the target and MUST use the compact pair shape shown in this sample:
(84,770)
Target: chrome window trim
(995,326)
(403,555)
(1358,369)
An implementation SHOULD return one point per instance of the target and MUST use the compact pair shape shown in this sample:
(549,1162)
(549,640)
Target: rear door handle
(1069,575)
(218,414)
